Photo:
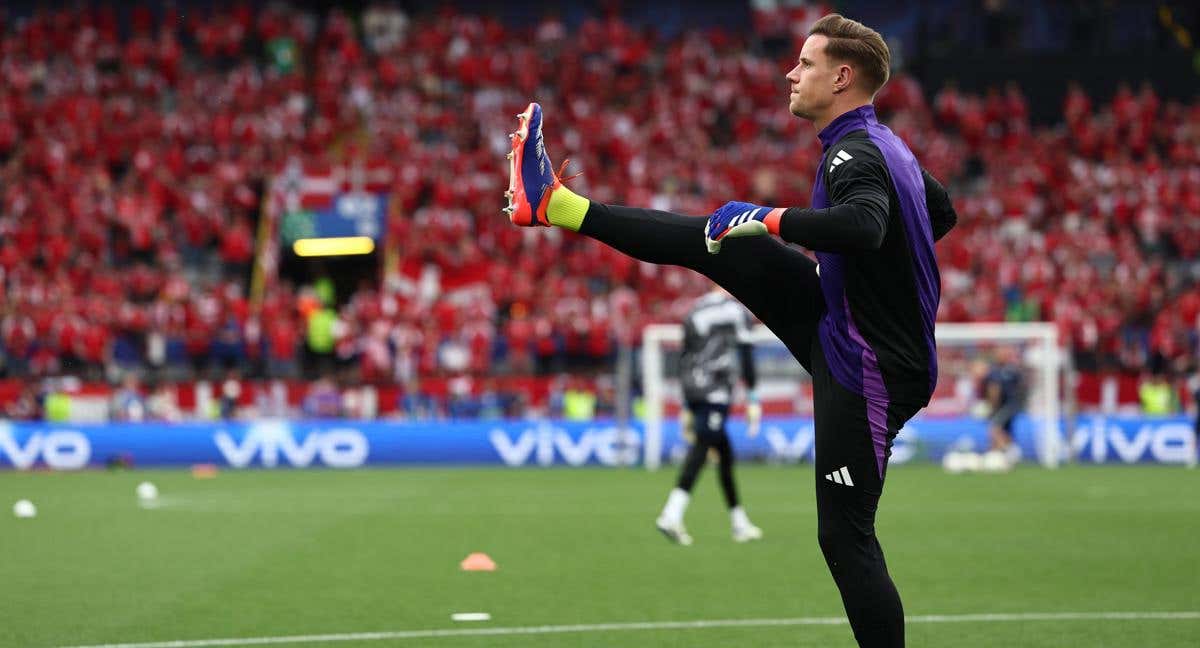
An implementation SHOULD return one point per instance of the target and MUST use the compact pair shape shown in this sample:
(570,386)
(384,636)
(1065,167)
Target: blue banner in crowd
(350,444)
(347,214)
(352,214)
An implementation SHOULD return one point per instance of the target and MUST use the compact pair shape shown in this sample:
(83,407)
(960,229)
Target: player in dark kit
(715,344)
(860,320)
(1004,393)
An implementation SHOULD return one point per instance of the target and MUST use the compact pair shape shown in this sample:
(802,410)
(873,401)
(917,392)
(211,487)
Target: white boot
(743,529)
(674,530)
(670,522)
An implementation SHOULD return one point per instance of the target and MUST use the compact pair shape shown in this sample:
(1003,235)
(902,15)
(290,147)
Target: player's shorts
(1003,417)
(708,421)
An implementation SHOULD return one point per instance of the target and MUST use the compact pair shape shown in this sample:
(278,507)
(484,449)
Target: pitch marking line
(650,625)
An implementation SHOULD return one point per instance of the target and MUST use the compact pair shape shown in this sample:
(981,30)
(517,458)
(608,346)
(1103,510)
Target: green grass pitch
(285,553)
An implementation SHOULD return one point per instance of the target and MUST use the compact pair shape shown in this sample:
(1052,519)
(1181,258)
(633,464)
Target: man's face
(812,80)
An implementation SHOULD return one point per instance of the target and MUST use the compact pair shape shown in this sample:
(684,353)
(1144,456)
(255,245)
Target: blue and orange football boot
(531,177)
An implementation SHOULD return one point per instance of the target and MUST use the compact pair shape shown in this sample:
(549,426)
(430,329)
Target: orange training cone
(478,561)
(204,471)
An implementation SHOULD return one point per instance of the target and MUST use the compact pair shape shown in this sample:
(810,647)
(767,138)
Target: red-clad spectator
(237,249)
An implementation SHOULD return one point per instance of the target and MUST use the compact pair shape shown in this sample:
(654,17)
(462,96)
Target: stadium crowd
(135,156)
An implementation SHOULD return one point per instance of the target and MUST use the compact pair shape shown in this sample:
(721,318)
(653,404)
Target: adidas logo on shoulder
(840,476)
(839,158)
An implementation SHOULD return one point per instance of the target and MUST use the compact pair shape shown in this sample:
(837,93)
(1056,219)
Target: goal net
(954,418)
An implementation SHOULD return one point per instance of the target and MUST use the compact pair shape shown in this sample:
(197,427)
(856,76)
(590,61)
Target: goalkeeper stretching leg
(779,284)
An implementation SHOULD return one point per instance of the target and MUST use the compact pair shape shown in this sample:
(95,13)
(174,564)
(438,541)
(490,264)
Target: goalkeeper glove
(753,414)
(738,219)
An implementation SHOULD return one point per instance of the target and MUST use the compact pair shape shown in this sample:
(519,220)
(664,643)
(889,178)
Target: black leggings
(779,284)
(708,425)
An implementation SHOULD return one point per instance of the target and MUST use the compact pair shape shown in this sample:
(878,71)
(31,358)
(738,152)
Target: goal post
(1040,356)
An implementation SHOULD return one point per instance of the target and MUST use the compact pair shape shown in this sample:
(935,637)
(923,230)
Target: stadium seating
(134,156)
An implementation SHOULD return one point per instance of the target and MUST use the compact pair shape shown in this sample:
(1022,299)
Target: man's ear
(845,76)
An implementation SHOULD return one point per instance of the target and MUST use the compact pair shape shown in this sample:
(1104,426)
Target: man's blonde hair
(862,47)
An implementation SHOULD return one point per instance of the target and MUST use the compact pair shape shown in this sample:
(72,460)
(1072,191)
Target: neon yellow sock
(567,209)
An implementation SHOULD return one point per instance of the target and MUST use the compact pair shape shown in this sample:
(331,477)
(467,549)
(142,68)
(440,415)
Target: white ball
(995,461)
(24,509)
(953,462)
(147,491)
(972,462)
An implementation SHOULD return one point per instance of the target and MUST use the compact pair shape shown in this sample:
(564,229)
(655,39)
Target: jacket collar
(849,121)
